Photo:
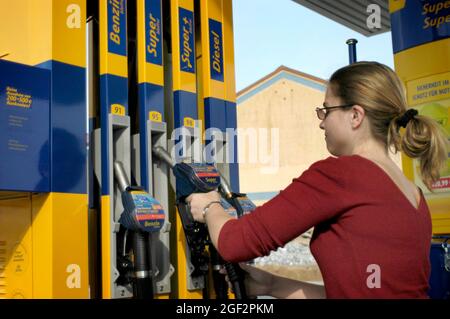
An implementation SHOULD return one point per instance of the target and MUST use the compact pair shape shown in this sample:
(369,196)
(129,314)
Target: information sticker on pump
(149,212)
(208,174)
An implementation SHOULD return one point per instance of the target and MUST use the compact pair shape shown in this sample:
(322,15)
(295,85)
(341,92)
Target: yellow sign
(118,109)
(432,88)
(189,122)
(16,98)
(155,116)
(439,111)
(431,97)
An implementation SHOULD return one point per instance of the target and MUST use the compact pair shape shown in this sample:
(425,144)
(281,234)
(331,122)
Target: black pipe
(236,276)
(235,273)
(143,287)
(219,282)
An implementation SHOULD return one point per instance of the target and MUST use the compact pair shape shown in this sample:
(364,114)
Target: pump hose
(235,273)
(219,282)
(236,276)
(143,288)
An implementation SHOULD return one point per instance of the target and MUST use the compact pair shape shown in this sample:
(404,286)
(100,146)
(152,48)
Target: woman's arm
(319,194)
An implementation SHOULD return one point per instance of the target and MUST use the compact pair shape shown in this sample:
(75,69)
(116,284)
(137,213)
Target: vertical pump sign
(153,31)
(117,27)
(187,54)
(216,50)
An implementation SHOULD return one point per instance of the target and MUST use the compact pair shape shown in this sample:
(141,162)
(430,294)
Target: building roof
(282,72)
(353,14)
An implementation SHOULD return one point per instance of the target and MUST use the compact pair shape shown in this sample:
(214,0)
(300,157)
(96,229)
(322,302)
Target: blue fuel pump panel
(24,128)
(440,270)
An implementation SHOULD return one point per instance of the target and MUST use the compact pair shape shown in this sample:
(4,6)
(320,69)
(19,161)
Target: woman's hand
(199,201)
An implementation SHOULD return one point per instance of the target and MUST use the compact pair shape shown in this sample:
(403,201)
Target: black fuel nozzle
(202,178)
(142,214)
(190,177)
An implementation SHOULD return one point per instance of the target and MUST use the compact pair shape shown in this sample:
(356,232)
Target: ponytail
(423,139)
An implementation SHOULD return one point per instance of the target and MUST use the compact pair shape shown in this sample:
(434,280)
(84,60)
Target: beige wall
(289,107)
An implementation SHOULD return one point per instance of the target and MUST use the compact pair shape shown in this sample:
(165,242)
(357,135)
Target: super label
(187,50)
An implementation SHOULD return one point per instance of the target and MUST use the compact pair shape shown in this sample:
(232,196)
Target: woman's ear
(358,113)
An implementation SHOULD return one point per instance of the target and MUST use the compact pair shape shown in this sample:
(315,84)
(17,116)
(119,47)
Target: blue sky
(270,33)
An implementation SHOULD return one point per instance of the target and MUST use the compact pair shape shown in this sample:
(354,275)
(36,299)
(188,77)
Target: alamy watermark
(374,279)
(374,19)
(258,146)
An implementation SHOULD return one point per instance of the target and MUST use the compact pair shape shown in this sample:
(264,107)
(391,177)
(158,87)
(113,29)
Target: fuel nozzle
(142,212)
(190,177)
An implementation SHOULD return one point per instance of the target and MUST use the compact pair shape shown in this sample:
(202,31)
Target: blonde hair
(378,89)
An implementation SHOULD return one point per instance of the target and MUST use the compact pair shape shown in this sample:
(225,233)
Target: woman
(372,226)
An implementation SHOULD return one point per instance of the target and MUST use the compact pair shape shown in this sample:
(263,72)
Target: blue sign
(24,128)
(153,31)
(216,50)
(117,27)
(420,22)
(187,45)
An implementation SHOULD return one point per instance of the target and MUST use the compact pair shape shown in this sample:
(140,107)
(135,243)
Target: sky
(270,33)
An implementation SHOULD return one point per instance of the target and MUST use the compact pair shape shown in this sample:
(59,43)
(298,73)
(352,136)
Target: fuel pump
(202,178)
(142,215)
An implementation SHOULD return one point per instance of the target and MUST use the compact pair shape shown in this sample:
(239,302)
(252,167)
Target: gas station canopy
(353,14)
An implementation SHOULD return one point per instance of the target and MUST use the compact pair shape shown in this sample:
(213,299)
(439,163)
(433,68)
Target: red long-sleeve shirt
(365,230)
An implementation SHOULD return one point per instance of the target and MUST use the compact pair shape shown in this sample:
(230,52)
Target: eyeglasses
(322,112)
